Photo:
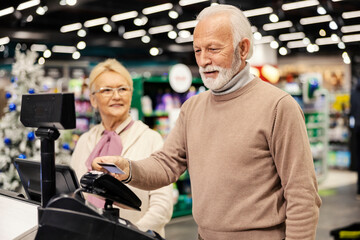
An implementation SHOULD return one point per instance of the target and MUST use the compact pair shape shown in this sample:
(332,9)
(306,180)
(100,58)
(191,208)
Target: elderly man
(244,143)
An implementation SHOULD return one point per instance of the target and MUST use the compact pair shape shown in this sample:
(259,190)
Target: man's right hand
(120,162)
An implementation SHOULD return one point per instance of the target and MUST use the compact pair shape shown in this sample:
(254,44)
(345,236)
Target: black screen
(29,172)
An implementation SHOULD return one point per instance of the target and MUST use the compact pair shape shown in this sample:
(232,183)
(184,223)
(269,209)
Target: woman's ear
(93,101)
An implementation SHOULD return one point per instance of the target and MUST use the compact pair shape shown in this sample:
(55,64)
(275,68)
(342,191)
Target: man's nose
(204,59)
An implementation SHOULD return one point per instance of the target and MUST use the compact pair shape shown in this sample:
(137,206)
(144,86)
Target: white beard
(224,75)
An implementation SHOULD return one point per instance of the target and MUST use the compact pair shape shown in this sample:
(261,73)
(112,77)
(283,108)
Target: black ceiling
(45,29)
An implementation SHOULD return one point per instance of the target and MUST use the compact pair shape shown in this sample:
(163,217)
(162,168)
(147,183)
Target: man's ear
(93,101)
(244,47)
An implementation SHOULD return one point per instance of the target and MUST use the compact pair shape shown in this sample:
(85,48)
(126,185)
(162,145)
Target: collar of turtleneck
(237,82)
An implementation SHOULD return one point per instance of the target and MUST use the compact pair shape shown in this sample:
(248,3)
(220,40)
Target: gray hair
(240,25)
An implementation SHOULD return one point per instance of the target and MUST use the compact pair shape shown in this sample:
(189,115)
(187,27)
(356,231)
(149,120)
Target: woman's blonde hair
(109,65)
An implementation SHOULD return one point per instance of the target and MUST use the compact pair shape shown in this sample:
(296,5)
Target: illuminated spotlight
(154,51)
(76,55)
(322,32)
(140,21)
(71,2)
(4,40)
(41,61)
(320,10)
(30,18)
(145,39)
(47,53)
(173,14)
(341,45)
(81,33)
(81,45)
(41,10)
(70,27)
(257,36)
(107,28)
(172,34)
(274,44)
(306,41)
(283,51)
(184,34)
(333,25)
(273,18)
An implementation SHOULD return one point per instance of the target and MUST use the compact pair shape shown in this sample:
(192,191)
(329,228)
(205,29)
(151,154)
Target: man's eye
(123,89)
(197,51)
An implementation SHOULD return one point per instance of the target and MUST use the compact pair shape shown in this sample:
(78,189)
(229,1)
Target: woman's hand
(120,162)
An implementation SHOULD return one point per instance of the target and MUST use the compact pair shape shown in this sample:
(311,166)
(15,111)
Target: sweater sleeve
(166,165)
(160,207)
(293,159)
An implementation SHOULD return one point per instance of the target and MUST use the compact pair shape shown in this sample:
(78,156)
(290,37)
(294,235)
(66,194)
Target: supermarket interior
(307,48)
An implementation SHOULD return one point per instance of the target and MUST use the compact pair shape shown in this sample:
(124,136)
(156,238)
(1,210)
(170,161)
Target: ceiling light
(173,14)
(184,34)
(184,40)
(4,40)
(6,11)
(352,14)
(278,25)
(296,44)
(326,41)
(351,28)
(82,33)
(63,49)
(274,44)
(41,10)
(172,34)
(30,18)
(70,27)
(95,22)
(273,18)
(291,36)
(190,2)
(41,61)
(306,41)
(154,51)
(134,34)
(140,21)
(299,4)
(145,39)
(258,11)
(76,55)
(264,39)
(283,51)
(337,0)
(333,25)
(320,10)
(124,16)
(188,24)
(81,45)
(257,35)
(107,28)
(28,4)
(322,32)
(351,38)
(254,29)
(341,45)
(317,19)
(71,2)
(161,29)
(47,53)
(312,48)
(157,8)
(38,47)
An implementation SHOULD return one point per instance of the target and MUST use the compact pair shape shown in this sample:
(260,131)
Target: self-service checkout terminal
(63,212)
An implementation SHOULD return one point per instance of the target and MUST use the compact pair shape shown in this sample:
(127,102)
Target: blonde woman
(111,89)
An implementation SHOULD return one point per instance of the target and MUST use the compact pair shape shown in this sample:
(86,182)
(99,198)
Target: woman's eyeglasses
(109,92)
